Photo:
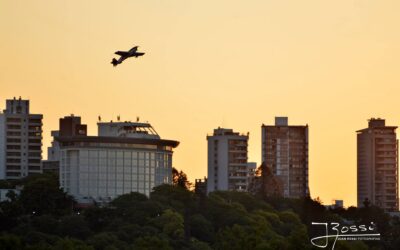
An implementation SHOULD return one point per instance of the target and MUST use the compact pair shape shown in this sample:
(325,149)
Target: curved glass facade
(102,174)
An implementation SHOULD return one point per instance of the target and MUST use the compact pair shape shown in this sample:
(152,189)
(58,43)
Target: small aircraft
(126,54)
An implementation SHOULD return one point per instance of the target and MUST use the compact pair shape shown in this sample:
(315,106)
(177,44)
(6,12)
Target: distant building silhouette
(125,157)
(228,168)
(285,152)
(20,140)
(377,166)
(200,186)
(68,126)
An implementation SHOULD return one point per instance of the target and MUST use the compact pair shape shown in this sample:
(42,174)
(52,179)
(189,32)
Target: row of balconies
(18,135)
(19,142)
(15,128)
(385,148)
(18,162)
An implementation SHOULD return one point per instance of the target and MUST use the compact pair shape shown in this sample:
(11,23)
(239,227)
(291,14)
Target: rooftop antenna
(137,118)
(99,118)
(118,118)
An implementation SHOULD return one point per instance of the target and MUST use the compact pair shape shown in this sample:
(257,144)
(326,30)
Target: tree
(271,185)
(136,208)
(265,183)
(171,223)
(179,178)
(42,195)
(201,228)
(74,226)
(105,240)
(71,244)
(151,243)
(10,242)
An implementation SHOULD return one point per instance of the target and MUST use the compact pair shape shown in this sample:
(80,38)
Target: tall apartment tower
(228,168)
(285,151)
(377,165)
(20,140)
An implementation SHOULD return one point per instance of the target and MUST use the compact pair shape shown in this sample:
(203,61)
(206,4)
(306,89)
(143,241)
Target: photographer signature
(337,230)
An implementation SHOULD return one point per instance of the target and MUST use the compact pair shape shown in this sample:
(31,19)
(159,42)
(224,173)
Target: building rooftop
(105,140)
(127,129)
(283,121)
(226,131)
(376,123)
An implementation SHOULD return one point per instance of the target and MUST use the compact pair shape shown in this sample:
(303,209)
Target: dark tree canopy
(179,178)
(173,217)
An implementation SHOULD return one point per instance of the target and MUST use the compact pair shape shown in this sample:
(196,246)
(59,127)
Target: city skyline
(329,65)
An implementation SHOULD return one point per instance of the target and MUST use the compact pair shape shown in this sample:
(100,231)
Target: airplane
(126,54)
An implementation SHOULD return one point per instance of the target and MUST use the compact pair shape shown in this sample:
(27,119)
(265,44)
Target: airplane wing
(134,49)
(139,54)
(122,53)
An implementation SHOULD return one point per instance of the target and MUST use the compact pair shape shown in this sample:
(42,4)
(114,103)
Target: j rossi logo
(336,231)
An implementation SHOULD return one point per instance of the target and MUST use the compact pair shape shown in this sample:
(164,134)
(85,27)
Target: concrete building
(285,151)
(52,164)
(200,186)
(20,140)
(228,168)
(335,204)
(125,157)
(68,126)
(377,165)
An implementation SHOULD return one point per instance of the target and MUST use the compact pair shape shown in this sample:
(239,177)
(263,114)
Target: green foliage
(175,218)
(71,244)
(41,195)
(74,226)
(10,242)
(179,179)
(106,241)
(170,223)
(45,224)
(151,243)
(202,228)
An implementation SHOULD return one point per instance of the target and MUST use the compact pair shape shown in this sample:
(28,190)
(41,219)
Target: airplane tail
(114,62)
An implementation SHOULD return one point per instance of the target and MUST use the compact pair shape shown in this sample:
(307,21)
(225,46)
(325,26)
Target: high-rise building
(69,126)
(20,140)
(377,166)
(125,157)
(200,186)
(228,168)
(285,152)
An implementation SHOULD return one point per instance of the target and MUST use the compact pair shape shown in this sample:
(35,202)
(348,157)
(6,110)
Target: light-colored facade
(228,168)
(20,140)
(285,151)
(377,165)
(52,164)
(53,152)
(100,168)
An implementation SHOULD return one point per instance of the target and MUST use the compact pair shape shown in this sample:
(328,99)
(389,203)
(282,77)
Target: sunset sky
(228,63)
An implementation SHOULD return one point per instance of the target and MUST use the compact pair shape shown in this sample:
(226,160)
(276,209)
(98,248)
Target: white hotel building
(125,157)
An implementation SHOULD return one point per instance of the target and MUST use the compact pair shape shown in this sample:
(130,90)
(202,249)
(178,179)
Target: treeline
(44,217)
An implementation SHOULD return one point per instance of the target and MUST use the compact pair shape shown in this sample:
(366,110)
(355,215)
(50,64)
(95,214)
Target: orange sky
(236,64)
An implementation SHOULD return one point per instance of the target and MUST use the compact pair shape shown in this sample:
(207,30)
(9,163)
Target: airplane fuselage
(126,54)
